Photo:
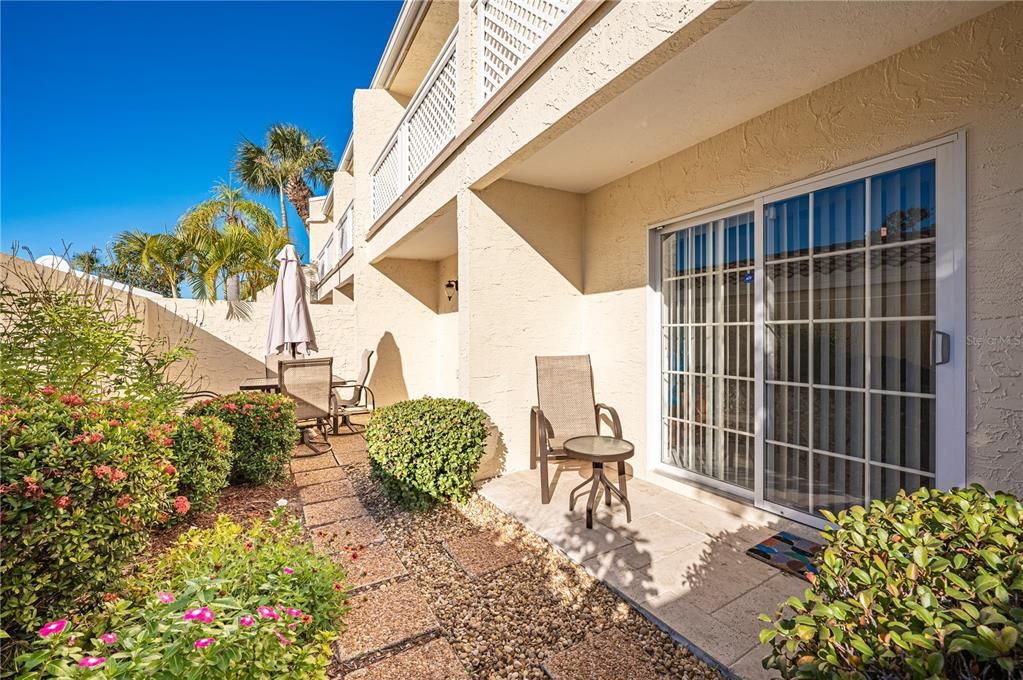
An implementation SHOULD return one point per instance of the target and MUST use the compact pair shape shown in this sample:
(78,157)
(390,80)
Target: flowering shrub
(929,584)
(426,450)
(79,480)
(222,603)
(201,456)
(264,432)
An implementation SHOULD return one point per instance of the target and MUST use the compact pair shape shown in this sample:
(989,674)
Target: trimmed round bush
(225,602)
(929,584)
(202,457)
(426,450)
(79,481)
(264,433)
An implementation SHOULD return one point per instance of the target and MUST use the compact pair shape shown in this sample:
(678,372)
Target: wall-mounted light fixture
(451,287)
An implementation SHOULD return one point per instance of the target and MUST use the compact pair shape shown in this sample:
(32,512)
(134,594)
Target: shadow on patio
(681,562)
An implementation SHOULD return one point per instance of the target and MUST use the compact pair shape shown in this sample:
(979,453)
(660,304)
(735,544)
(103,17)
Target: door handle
(940,343)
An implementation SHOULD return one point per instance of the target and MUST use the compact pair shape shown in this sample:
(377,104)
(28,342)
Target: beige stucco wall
(520,276)
(970,77)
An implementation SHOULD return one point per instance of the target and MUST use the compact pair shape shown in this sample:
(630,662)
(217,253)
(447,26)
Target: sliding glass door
(802,344)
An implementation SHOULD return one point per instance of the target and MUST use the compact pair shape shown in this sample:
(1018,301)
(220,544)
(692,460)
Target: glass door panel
(707,350)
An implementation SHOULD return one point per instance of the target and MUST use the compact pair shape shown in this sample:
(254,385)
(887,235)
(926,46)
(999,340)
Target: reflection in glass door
(707,350)
(849,326)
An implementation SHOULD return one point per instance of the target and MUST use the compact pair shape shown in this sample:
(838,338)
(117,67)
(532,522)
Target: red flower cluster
(181,505)
(48,390)
(114,474)
(114,423)
(230,408)
(124,501)
(169,470)
(32,489)
(63,502)
(197,424)
(72,400)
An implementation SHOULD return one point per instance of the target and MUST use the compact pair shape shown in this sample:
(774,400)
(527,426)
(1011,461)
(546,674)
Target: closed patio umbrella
(291,327)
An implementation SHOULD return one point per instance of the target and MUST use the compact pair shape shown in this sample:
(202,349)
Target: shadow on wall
(418,278)
(219,366)
(388,378)
(492,463)
(552,222)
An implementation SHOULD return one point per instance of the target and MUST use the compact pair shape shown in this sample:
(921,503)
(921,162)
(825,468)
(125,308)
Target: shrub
(927,585)
(264,433)
(426,450)
(202,456)
(69,333)
(79,480)
(224,602)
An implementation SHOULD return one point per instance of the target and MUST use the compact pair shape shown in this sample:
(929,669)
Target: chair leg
(545,489)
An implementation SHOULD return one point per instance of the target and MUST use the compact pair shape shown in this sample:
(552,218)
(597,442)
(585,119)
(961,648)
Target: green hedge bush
(202,456)
(927,585)
(264,433)
(79,481)
(426,450)
(225,602)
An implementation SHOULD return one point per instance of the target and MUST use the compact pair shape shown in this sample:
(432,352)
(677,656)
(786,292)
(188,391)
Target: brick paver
(328,491)
(374,564)
(317,514)
(384,617)
(333,538)
(483,552)
(611,654)
(434,660)
(319,476)
(307,463)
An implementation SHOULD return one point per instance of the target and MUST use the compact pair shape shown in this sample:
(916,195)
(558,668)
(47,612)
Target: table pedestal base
(597,480)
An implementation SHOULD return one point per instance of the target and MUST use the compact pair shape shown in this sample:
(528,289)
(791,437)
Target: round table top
(599,449)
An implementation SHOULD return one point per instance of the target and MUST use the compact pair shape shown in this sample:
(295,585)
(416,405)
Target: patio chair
(307,383)
(271,363)
(360,401)
(566,408)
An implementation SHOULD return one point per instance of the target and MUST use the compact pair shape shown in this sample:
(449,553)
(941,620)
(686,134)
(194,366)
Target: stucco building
(788,234)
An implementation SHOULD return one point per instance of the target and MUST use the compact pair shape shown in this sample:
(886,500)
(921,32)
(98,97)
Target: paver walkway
(391,631)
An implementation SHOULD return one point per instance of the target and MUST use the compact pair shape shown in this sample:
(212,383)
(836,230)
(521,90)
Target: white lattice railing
(510,30)
(427,126)
(326,259)
(343,233)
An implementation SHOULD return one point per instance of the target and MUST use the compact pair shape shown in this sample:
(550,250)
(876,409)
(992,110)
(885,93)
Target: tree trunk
(233,288)
(284,210)
(299,194)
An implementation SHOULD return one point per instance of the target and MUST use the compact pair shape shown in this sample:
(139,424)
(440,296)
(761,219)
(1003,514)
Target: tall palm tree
(286,165)
(232,240)
(160,254)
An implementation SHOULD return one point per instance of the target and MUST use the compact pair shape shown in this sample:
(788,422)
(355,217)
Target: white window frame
(949,156)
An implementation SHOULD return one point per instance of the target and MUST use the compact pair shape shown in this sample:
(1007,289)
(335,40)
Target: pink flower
(48,390)
(284,640)
(181,505)
(108,638)
(202,643)
(91,661)
(247,621)
(53,628)
(63,502)
(165,597)
(268,613)
(288,570)
(291,611)
(203,614)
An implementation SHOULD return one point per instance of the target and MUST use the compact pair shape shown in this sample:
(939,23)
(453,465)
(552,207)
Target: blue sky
(121,115)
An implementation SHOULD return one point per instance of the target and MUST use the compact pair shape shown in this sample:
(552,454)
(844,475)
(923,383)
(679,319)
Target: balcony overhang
(436,238)
(765,55)
(419,35)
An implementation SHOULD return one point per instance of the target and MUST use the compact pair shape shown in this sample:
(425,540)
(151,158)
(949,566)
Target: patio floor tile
(580,543)
(326,512)
(483,553)
(749,666)
(319,476)
(743,612)
(384,617)
(307,463)
(433,661)
(333,538)
(374,564)
(606,656)
(339,488)
(655,534)
(719,639)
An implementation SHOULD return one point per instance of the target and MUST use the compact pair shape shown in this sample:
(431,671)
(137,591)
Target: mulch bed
(241,503)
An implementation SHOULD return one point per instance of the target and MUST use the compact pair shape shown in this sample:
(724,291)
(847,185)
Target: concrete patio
(681,560)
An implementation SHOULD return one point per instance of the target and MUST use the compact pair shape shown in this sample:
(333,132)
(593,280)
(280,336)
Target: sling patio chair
(271,363)
(566,409)
(307,383)
(359,399)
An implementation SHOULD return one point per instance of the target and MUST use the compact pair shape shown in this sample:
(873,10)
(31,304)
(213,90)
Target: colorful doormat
(788,552)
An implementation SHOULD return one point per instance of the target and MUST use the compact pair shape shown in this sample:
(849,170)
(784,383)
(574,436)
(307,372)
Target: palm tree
(286,165)
(232,240)
(86,261)
(155,254)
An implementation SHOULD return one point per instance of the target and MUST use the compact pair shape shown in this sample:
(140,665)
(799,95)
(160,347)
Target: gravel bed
(507,623)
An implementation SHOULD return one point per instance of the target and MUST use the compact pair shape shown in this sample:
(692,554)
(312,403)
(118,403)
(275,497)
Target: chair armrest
(616,422)
(539,427)
(371,400)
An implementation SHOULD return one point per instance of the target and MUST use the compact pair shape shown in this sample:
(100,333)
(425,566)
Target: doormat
(788,552)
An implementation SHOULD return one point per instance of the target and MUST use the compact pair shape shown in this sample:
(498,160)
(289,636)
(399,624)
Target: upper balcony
(508,33)
(335,252)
